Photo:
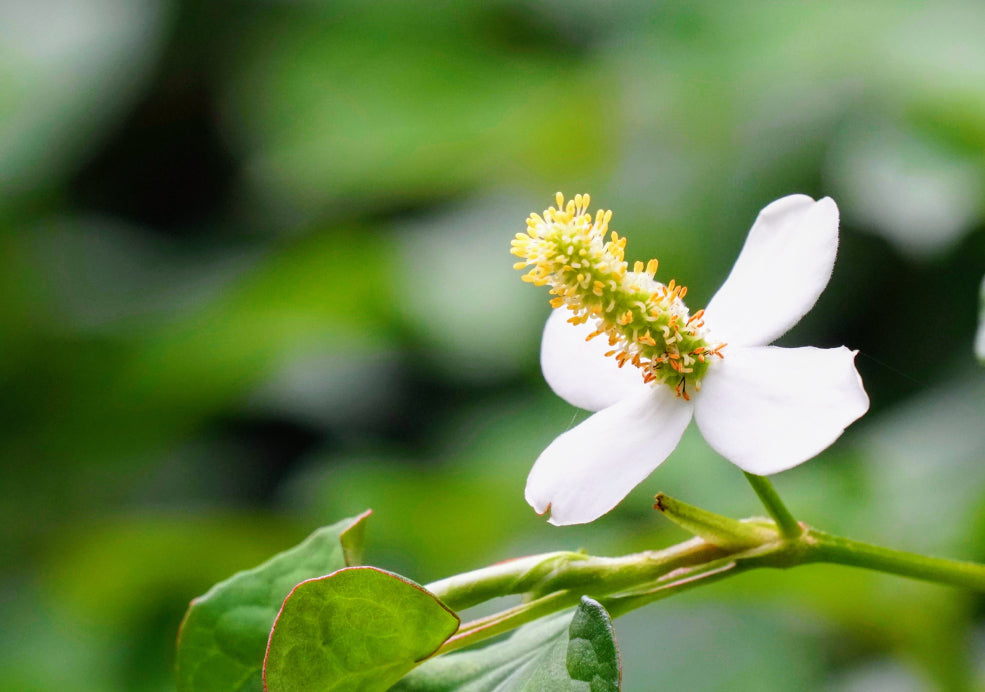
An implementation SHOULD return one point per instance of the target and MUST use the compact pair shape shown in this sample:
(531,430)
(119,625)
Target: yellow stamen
(646,323)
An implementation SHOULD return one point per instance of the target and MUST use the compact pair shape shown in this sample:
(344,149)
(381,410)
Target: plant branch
(543,574)
(844,551)
(555,581)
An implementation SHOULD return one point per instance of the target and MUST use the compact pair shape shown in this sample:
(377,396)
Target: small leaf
(561,653)
(592,653)
(224,634)
(358,629)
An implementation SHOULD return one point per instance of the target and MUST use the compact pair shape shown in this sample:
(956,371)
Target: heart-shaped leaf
(563,653)
(361,628)
(224,634)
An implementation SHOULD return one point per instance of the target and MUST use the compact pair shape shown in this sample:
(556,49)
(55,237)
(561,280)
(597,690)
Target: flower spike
(646,321)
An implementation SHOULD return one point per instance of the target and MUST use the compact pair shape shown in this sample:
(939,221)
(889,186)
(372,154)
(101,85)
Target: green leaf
(561,653)
(359,629)
(224,634)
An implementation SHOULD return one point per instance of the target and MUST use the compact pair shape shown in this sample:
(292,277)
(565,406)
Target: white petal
(578,371)
(767,409)
(784,266)
(587,470)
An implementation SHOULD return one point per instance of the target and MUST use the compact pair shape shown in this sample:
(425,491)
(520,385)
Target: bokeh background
(254,278)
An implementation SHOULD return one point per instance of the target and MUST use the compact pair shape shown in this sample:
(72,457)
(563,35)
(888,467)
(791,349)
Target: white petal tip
(784,266)
(539,506)
(562,520)
(587,470)
(785,204)
(563,516)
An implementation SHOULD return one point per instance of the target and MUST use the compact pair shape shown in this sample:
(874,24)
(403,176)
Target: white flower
(764,408)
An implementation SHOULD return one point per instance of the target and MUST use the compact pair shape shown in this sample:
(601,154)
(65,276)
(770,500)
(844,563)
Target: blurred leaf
(466,247)
(467,494)
(561,653)
(925,466)
(424,509)
(360,628)
(366,105)
(222,640)
(776,624)
(108,277)
(980,335)
(154,556)
(42,652)
(113,399)
(68,68)
(916,192)
(702,643)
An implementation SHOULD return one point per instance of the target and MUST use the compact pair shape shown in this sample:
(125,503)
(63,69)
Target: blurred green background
(254,277)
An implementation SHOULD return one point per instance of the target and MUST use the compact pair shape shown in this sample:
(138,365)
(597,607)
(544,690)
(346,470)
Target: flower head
(623,344)
(646,323)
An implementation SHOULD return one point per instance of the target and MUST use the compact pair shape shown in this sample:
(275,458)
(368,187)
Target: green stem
(605,575)
(789,527)
(555,581)
(543,574)
(620,605)
(844,551)
(632,587)
(463,591)
(509,619)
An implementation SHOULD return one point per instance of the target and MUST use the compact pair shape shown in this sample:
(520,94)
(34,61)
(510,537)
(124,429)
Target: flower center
(646,322)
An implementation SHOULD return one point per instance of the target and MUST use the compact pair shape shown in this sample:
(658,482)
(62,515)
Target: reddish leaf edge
(350,569)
